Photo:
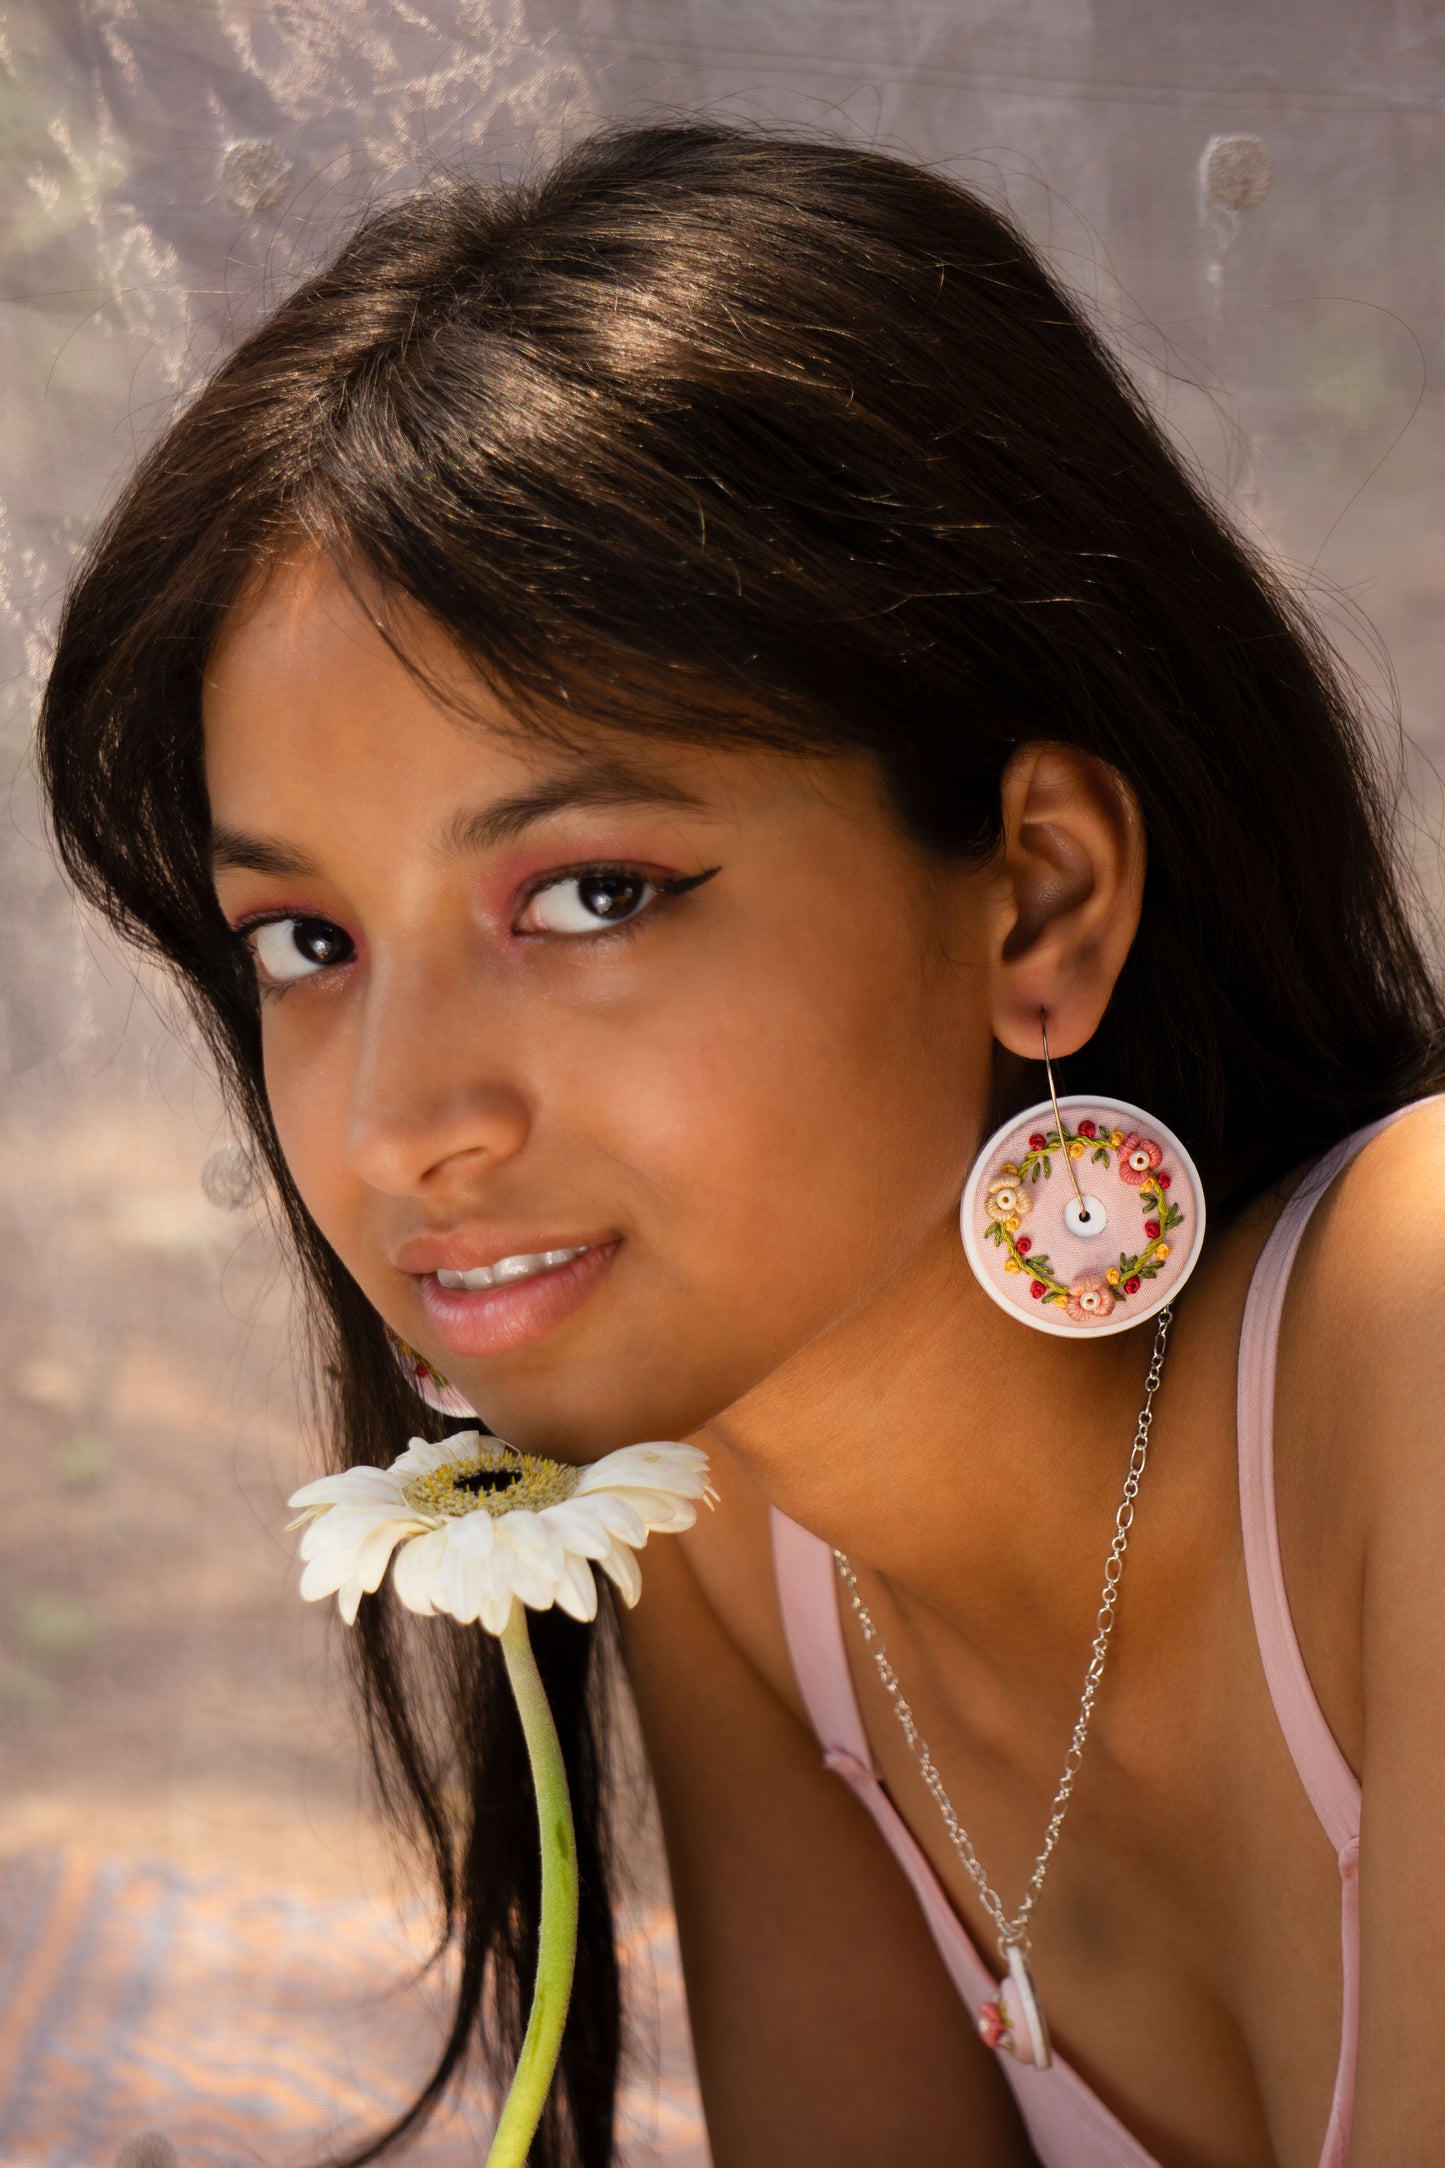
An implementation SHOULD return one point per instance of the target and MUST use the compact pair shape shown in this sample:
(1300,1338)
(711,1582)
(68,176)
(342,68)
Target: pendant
(1015,2022)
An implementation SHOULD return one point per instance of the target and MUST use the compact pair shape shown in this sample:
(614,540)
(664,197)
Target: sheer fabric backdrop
(193,1908)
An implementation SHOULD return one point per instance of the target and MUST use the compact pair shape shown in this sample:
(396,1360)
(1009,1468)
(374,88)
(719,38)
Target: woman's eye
(587,902)
(287,949)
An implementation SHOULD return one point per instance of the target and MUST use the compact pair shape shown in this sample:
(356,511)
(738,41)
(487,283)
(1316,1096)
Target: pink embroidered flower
(1008,1199)
(1138,1158)
(1090,1298)
(992,2024)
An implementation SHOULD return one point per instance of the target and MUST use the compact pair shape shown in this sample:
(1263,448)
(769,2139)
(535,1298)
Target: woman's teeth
(508,1269)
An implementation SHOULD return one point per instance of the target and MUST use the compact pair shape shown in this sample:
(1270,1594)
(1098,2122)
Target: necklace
(1014,2021)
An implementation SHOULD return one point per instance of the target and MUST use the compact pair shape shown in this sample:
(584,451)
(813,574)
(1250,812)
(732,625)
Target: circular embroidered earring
(1082,1215)
(428,1384)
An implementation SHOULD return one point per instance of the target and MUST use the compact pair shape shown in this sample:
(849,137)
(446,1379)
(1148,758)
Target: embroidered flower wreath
(1089,1297)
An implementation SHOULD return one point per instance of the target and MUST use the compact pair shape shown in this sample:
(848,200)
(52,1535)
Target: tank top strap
(806,1578)
(1329,1782)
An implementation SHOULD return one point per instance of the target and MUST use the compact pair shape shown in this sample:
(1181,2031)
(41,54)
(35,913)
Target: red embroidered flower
(1037,1141)
(1138,1157)
(1025,1244)
(1088,1129)
(1090,1298)
(1036,1288)
(1131,1285)
(1151,1228)
(1163,1180)
(992,2024)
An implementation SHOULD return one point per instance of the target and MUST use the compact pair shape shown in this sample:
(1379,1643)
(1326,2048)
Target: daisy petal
(534,1539)
(374,1555)
(417,1572)
(620,1565)
(424,1455)
(613,1514)
(355,1487)
(531,1581)
(680,1469)
(496,1611)
(580,1529)
(470,1578)
(577,1589)
(324,1576)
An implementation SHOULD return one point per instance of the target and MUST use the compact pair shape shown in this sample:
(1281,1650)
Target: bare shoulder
(1359,1472)
(1369,1320)
(1377,1278)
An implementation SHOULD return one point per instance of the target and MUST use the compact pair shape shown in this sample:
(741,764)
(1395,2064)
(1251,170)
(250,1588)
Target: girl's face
(708,1019)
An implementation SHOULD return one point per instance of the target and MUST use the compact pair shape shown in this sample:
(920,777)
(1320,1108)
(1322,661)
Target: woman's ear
(1065,896)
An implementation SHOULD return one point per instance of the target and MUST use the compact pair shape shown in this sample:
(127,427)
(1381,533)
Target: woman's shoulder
(1360,1475)
(1372,1265)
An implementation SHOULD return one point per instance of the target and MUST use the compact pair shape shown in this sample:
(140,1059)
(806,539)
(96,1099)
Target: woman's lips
(495,1320)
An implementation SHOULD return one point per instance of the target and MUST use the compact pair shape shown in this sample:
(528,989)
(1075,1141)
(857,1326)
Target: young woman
(632,703)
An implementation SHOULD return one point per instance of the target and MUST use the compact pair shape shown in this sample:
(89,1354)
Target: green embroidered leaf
(1097,1154)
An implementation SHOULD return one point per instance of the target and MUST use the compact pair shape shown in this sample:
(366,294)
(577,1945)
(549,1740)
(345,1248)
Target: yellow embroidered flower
(1013,1223)
(1076,1148)
(1116,1138)
(1011,1264)
(1161,1249)
(1112,1275)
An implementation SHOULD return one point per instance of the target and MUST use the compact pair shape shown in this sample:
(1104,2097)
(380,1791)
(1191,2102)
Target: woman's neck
(976,1467)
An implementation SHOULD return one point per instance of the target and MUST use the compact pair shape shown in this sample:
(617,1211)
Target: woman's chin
(572,1419)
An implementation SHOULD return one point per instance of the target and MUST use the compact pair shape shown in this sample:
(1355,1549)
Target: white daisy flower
(481,1525)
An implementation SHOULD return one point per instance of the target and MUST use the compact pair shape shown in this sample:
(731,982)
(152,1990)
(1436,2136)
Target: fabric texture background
(1253,203)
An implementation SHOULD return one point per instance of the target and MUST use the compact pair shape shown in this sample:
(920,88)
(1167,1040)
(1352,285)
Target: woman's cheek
(310,1101)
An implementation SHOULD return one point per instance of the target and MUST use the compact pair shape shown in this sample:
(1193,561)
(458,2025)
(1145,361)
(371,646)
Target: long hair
(732,437)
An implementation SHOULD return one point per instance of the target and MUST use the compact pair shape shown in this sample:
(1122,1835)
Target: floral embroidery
(1138,1157)
(992,2024)
(1008,1200)
(1089,1297)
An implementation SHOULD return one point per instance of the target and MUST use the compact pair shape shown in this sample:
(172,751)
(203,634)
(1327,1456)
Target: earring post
(1059,1119)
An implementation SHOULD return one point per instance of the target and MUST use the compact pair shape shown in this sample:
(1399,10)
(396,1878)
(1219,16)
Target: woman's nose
(428,1088)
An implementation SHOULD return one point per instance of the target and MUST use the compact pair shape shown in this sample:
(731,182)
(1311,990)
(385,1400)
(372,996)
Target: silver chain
(1015,1930)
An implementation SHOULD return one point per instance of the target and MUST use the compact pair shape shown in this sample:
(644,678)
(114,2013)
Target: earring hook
(1059,1120)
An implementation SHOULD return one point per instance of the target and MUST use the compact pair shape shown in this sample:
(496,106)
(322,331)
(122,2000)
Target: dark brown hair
(725,435)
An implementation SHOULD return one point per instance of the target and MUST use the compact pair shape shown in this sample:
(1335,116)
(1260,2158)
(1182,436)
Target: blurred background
(200,1930)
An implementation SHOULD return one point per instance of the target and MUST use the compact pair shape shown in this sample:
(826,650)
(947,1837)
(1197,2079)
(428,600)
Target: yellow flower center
(494,1480)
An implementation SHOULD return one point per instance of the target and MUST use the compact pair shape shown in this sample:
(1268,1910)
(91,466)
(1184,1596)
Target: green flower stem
(557,1943)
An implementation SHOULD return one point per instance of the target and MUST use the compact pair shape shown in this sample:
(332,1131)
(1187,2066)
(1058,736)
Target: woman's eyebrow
(605,782)
(257,854)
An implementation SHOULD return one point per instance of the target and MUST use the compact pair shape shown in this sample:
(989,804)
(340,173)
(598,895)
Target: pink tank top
(1069,2125)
